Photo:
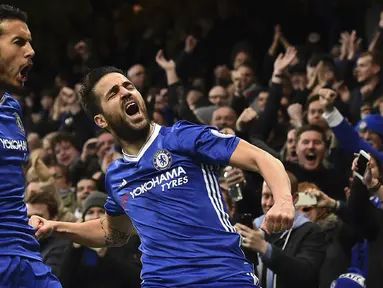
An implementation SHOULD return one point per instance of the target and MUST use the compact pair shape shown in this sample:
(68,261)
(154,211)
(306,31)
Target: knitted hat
(95,199)
(352,279)
(372,122)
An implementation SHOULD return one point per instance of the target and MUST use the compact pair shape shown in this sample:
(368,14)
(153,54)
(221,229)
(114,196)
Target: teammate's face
(123,109)
(16,52)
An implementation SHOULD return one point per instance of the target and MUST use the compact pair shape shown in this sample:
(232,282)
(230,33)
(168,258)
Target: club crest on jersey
(19,122)
(162,160)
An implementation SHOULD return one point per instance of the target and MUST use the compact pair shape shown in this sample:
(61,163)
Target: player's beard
(125,131)
(3,70)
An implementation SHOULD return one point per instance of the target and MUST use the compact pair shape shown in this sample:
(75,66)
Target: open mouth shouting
(311,159)
(132,110)
(23,72)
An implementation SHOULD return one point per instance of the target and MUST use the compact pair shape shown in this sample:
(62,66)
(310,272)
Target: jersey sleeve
(112,208)
(204,142)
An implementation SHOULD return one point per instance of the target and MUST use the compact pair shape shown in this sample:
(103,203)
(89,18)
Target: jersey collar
(2,99)
(149,141)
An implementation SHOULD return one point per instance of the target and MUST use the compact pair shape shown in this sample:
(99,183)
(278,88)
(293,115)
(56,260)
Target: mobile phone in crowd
(306,200)
(363,160)
(246,219)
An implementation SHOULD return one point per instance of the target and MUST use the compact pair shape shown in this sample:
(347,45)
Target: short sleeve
(205,142)
(111,207)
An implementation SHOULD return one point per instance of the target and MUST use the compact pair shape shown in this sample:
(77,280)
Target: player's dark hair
(47,199)
(8,12)
(65,137)
(89,101)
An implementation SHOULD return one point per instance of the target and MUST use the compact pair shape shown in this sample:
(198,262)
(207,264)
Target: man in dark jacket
(289,259)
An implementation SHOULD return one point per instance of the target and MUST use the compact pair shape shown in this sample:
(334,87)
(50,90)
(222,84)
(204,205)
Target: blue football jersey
(16,236)
(171,193)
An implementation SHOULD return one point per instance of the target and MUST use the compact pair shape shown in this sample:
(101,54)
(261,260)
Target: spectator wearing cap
(85,267)
(367,135)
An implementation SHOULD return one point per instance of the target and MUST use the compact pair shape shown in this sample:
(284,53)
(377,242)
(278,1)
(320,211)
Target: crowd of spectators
(312,108)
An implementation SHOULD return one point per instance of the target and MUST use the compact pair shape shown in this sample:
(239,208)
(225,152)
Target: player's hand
(43,227)
(279,218)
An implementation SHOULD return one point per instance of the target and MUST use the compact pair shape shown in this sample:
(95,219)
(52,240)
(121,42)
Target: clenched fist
(43,227)
(279,218)
(327,99)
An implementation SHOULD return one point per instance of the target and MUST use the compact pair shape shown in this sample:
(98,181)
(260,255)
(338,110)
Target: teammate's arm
(108,231)
(251,158)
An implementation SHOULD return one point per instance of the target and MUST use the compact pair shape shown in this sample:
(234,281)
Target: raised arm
(108,231)
(248,157)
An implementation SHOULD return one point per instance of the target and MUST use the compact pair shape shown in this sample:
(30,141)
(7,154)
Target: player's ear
(100,121)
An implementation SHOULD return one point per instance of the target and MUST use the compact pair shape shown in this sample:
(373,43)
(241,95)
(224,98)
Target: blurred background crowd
(256,69)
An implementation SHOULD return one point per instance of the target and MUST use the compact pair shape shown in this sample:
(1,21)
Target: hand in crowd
(246,116)
(252,238)
(367,89)
(323,200)
(318,81)
(163,63)
(234,176)
(295,112)
(343,91)
(327,98)
(276,40)
(190,43)
(350,45)
(284,60)
(368,178)
(89,149)
(66,102)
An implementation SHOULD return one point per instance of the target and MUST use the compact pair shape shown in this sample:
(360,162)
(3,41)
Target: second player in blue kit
(166,187)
